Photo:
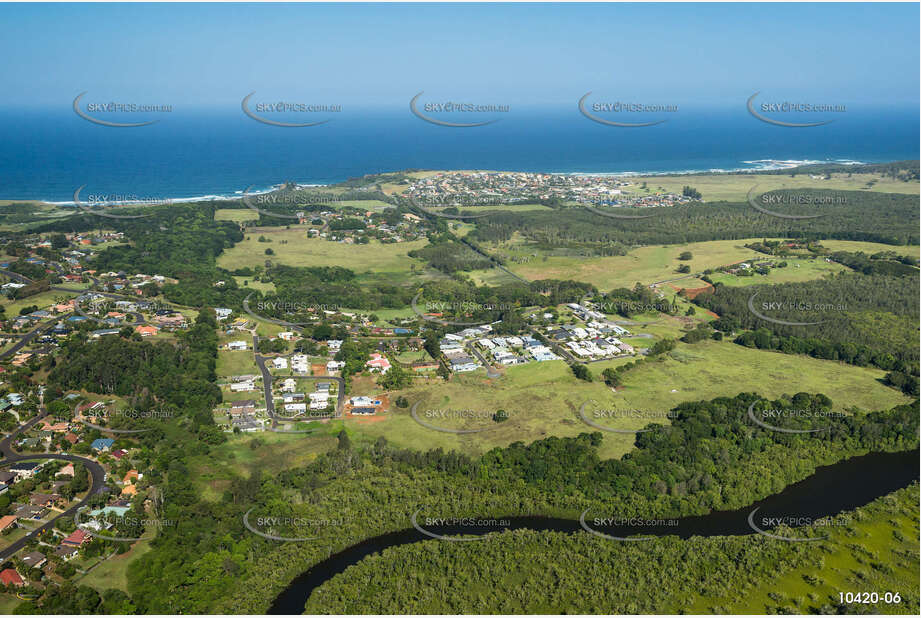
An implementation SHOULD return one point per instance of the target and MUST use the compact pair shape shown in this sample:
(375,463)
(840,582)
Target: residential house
(378,363)
(7,522)
(102,445)
(11,577)
(146,330)
(66,552)
(34,560)
(25,469)
(241,387)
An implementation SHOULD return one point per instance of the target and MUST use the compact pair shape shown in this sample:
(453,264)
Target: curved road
(267,389)
(10,457)
(25,339)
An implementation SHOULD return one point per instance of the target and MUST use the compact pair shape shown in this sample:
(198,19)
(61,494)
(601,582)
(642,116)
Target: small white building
(280,363)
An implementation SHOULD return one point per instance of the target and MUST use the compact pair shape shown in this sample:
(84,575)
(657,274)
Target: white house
(236,345)
(289,386)
(242,387)
(280,363)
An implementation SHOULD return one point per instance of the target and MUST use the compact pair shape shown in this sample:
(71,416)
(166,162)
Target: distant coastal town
(485,188)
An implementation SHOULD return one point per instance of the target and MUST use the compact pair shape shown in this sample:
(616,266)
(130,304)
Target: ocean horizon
(197,153)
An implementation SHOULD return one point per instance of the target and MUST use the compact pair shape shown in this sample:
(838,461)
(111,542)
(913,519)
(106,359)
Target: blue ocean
(45,154)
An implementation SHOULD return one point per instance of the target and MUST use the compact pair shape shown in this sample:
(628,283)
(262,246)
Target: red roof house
(77,538)
(10,577)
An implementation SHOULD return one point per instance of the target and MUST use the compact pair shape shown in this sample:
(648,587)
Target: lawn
(292,247)
(796,270)
(236,362)
(271,452)
(112,573)
(42,300)
(235,214)
(735,187)
(252,284)
(658,263)
(644,264)
(543,399)
(869,247)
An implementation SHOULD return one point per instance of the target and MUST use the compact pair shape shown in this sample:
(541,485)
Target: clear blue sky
(214,54)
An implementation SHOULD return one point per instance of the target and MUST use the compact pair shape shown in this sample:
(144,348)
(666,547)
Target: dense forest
(559,573)
(863,319)
(874,217)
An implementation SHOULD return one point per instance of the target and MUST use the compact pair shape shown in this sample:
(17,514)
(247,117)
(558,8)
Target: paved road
(10,457)
(490,370)
(25,339)
(267,389)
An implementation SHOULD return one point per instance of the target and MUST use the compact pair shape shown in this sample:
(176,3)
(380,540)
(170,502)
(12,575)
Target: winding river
(830,490)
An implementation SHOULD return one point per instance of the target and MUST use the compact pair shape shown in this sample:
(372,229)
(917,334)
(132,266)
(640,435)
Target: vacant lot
(235,214)
(292,247)
(645,264)
(735,187)
(543,399)
(268,451)
(659,263)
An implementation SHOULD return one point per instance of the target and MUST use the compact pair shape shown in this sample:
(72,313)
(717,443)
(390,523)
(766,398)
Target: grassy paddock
(543,399)
(735,187)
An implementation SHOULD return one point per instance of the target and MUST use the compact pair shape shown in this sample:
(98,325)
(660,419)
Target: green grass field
(374,260)
(252,284)
(235,214)
(658,263)
(112,573)
(796,270)
(735,187)
(236,362)
(268,451)
(870,247)
(644,264)
(543,399)
(42,300)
